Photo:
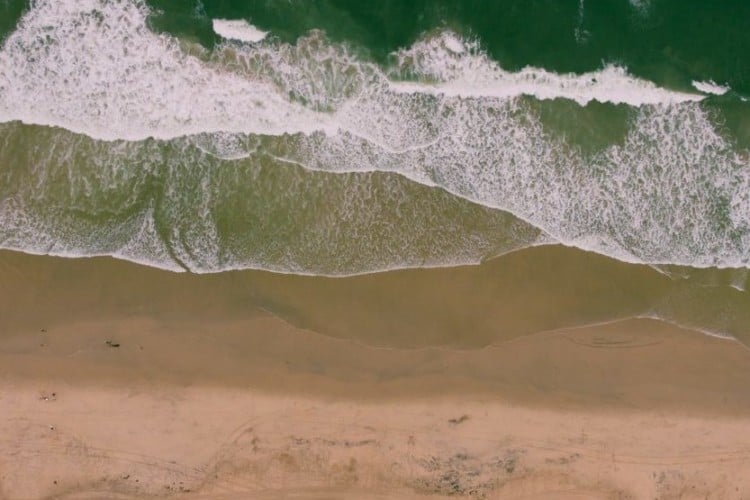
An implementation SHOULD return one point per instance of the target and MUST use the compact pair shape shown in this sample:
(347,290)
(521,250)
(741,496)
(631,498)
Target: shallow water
(466,307)
(332,138)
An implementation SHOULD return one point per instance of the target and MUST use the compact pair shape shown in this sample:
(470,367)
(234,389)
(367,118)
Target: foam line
(461,69)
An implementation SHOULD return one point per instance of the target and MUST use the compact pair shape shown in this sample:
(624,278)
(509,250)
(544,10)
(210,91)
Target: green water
(668,41)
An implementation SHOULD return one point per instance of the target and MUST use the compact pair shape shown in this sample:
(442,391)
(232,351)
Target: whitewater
(116,97)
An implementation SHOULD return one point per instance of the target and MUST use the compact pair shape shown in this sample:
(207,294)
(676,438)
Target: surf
(442,115)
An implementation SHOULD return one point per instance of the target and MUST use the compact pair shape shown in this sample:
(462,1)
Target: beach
(335,249)
(149,397)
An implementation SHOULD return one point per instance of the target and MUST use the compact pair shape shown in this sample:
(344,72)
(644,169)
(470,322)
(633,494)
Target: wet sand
(118,381)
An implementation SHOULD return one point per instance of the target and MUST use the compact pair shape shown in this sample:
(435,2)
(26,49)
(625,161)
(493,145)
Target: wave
(462,69)
(711,87)
(94,67)
(671,189)
(238,29)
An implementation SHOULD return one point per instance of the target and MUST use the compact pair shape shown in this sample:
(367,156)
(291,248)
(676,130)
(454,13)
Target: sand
(207,442)
(203,395)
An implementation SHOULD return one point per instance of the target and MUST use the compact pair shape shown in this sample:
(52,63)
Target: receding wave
(309,158)
(171,205)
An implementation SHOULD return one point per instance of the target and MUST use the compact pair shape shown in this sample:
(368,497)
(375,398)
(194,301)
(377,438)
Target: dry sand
(145,400)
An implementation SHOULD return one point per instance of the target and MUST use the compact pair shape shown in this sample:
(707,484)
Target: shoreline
(526,292)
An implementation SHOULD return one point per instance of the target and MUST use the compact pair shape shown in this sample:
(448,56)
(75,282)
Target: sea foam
(238,29)
(710,87)
(94,67)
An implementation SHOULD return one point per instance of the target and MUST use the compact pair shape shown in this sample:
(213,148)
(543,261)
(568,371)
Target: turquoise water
(346,137)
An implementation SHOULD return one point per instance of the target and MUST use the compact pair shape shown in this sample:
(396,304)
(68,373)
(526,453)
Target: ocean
(323,138)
